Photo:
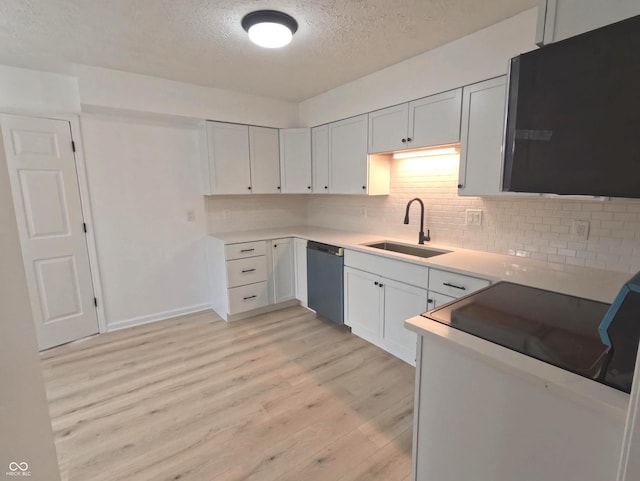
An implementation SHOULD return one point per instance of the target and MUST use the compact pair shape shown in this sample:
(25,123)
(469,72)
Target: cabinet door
(560,19)
(362,304)
(483,114)
(388,129)
(320,159)
(283,269)
(295,160)
(435,299)
(348,155)
(300,247)
(435,120)
(264,152)
(401,302)
(228,155)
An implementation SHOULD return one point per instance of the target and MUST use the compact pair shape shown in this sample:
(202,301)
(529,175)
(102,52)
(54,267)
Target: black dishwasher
(325,281)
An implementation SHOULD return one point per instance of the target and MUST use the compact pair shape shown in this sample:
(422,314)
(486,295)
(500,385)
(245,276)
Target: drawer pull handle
(247,250)
(249,297)
(454,286)
(248,270)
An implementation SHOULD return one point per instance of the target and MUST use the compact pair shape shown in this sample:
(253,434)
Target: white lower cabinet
(362,304)
(401,302)
(300,258)
(376,308)
(436,299)
(282,270)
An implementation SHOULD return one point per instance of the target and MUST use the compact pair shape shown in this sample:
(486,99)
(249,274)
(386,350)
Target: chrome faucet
(421,236)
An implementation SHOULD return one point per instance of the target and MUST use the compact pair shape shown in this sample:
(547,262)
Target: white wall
(111,89)
(143,178)
(35,92)
(25,428)
(476,57)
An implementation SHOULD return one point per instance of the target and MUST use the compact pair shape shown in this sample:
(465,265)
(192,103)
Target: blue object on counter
(632,287)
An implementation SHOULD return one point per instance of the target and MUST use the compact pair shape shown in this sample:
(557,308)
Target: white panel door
(264,152)
(229,164)
(435,120)
(45,192)
(320,159)
(388,129)
(401,302)
(362,310)
(283,270)
(348,155)
(295,160)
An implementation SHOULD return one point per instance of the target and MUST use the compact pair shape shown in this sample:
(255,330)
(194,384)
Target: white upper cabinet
(320,159)
(225,158)
(481,158)
(348,155)
(426,122)
(351,170)
(265,160)
(560,19)
(388,129)
(435,120)
(295,160)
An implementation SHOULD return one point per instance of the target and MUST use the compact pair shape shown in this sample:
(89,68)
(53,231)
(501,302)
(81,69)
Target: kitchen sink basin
(407,249)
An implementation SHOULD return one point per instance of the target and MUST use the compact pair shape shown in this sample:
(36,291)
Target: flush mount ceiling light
(269,28)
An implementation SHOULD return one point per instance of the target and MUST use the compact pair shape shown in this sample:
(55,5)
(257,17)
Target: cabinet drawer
(245,249)
(241,272)
(247,298)
(390,268)
(454,285)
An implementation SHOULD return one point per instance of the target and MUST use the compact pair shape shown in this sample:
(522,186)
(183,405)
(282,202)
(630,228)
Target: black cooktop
(555,328)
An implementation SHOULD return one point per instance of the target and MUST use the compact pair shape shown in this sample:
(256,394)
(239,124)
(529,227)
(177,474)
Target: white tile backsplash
(526,226)
(249,212)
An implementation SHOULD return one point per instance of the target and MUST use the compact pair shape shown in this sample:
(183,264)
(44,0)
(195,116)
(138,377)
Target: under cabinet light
(427,153)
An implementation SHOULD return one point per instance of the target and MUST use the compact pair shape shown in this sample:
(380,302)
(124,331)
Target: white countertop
(596,284)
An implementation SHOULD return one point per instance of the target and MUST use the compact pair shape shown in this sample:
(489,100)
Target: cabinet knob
(460,186)
(380,285)
(309,187)
(376,283)
(409,139)
(249,187)
(275,245)
(364,187)
(429,301)
(404,141)
(326,186)
(278,187)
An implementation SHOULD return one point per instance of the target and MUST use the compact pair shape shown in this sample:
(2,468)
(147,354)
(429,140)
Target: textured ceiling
(202,42)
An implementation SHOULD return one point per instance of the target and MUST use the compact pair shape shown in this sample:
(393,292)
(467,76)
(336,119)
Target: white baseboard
(158,316)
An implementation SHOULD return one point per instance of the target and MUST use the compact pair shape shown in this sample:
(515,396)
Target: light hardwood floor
(283,396)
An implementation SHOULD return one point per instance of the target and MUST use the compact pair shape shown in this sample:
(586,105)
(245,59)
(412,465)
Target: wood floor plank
(281,396)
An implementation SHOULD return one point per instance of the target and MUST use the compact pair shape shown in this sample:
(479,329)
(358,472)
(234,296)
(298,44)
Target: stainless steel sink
(407,249)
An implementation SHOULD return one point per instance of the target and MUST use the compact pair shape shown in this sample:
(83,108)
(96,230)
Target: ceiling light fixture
(269,28)
(427,153)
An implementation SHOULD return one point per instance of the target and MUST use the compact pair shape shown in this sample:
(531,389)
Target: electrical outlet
(191,215)
(226,213)
(473,217)
(580,229)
